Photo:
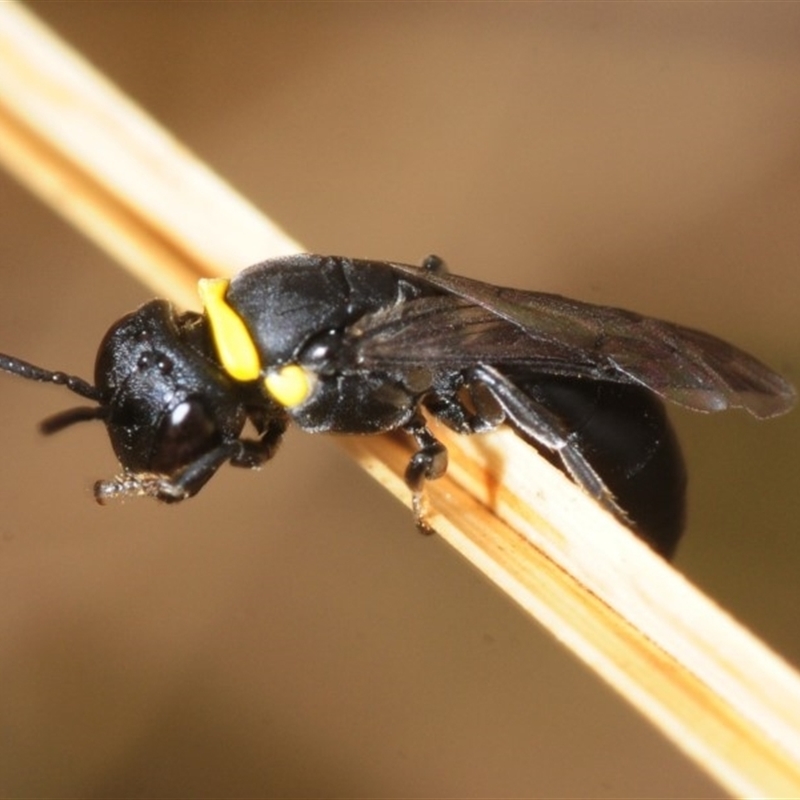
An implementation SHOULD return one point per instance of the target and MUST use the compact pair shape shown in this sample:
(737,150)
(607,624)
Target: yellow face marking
(235,346)
(289,385)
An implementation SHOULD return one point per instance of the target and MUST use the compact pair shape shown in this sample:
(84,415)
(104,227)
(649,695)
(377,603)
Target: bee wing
(474,322)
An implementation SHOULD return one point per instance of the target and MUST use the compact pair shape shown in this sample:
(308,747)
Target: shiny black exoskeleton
(350,346)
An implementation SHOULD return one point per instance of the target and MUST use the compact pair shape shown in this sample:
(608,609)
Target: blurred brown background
(287,633)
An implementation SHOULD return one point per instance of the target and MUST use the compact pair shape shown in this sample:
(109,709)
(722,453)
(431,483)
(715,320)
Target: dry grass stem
(720,694)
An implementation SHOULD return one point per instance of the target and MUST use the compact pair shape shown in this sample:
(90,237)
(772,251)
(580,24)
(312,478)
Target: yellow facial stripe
(289,385)
(235,347)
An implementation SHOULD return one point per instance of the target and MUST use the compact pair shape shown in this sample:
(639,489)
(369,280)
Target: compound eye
(188,432)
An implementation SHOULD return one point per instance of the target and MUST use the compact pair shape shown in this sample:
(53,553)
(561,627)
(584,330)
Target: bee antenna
(63,419)
(77,385)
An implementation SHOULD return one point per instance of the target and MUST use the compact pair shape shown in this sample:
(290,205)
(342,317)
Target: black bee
(352,346)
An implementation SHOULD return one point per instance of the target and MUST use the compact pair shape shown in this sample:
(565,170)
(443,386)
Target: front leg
(178,486)
(255,452)
(189,480)
(428,463)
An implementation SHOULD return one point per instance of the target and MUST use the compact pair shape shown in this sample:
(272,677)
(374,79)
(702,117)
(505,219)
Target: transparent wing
(474,322)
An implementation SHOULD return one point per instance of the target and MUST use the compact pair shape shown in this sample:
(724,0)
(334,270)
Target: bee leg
(251,453)
(255,452)
(435,264)
(170,488)
(428,463)
(476,412)
(541,426)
